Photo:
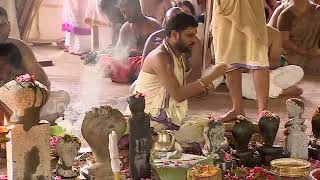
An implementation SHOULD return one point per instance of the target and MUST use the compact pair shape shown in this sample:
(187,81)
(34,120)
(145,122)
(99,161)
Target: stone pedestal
(28,153)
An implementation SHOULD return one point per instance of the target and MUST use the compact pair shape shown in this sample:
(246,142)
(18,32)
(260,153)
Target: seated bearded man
(17,58)
(299,26)
(163,81)
(124,61)
(193,59)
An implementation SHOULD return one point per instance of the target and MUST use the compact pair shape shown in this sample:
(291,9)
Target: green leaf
(57,131)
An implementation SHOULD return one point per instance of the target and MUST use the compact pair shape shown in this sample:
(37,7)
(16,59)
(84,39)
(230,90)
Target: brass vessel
(289,167)
(165,142)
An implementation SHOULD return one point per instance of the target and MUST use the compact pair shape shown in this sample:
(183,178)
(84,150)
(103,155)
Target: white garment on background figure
(78,34)
(101,27)
(10,7)
(46,26)
(280,79)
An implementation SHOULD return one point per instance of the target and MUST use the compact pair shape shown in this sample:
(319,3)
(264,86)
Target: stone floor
(87,90)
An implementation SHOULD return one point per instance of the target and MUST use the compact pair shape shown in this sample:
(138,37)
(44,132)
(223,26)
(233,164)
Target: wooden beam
(208,17)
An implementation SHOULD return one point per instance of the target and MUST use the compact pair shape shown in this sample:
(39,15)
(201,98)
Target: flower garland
(138,95)
(26,78)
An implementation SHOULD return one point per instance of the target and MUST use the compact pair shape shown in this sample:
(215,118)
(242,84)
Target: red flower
(138,95)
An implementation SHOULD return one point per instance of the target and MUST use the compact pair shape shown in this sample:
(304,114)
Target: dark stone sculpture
(314,147)
(269,125)
(242,133)
(139,138)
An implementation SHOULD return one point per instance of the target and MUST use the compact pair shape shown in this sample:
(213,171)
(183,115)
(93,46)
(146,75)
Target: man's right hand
(217,71)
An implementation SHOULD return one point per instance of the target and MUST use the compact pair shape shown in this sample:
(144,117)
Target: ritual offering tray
(289,167)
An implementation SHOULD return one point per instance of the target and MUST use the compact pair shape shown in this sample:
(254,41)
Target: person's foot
(90,58)
(61,44)
(294,91)
(231,115)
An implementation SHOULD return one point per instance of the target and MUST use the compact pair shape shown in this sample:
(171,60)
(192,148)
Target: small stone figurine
(67,148)
(297,140)
(214,137)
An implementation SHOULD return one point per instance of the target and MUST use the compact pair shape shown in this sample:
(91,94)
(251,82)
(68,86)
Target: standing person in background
(112,11)
(273,21)
(240,40)
(77,32)
(187,7)
(148,8)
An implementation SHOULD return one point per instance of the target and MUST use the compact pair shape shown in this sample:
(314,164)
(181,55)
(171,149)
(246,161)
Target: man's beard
(182,47)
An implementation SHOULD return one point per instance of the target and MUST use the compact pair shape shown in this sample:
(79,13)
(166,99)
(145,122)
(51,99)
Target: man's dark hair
(3,12)
(130,3)
(180,22)
(13,53)
(189,5)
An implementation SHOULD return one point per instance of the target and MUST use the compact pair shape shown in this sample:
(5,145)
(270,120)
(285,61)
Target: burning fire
(5,123)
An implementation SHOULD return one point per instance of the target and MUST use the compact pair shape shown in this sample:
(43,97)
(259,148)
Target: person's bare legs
(261,82)
(234,83)
(292,91)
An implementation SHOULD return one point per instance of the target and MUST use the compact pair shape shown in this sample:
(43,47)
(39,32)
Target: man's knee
(297,71)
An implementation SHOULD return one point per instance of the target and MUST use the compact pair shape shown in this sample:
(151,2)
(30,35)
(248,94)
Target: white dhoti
(280,79)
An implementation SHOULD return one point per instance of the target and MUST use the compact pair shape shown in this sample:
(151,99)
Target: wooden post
(94,38)
(208,17)
(28,153)
(139,138)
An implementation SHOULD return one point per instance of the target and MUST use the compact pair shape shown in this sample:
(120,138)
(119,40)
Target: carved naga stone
(214,137)
(25,97)
(297,140)
(96,127)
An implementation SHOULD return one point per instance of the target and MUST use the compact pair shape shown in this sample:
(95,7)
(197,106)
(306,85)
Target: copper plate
(289,167)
